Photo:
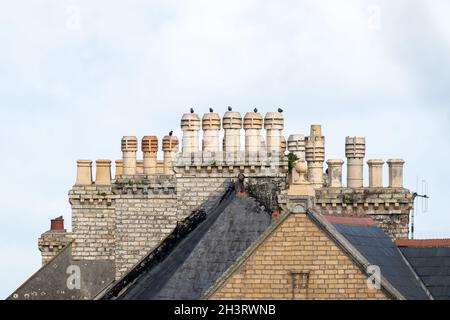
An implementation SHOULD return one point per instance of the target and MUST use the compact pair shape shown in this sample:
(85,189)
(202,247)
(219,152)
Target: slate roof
(432,264)
(205,254)
(376,246)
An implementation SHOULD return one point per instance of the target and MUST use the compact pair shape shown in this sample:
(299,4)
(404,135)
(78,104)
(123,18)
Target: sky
(76,76)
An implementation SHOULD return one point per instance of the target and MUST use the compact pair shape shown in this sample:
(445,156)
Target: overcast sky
(75,76)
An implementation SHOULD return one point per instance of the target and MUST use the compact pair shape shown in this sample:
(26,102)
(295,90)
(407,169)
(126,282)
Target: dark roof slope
(432,264)
(205,254)
(380,250)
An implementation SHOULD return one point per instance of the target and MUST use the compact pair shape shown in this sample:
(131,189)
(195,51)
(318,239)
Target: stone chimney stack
(315,155)
(119,169)
(103,172)
(395,173)
(335,173)
(170,148)
(375,173)
(274,124)
(253,123)
(84,173)
(296,145)
(149,149)
(232,125)
(190,125)
(129,149)
(211,132)
(355,149)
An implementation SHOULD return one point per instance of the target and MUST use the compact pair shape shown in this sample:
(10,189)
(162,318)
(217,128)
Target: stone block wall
(126,220)
(389,207)
(51,243)
(93,222)
(297,261)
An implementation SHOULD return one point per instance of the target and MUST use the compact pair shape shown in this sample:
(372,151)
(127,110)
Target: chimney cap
(129,143)
(149,143)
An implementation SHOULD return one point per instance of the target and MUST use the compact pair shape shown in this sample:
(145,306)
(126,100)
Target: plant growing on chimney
(214,163)
(347,199)
(291,160)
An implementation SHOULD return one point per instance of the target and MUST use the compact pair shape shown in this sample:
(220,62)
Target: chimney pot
(57,224)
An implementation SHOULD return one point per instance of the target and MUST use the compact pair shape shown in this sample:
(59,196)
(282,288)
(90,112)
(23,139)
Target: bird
(192,110)
(255,110)
(230,108)
(170,133)
(280,110)
(211,110)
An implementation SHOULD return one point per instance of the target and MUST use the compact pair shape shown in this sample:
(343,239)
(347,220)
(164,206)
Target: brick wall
(297,249)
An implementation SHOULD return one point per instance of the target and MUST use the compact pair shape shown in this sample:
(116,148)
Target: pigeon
(230,108)
(192,110)
(170,133)
(255,110)
(280,110)
(211,110)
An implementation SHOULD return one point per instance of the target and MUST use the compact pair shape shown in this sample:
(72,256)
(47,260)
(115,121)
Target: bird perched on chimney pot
(280,110)
(170,133)
(255,110)
(230,108)
(211,110)
(192,110)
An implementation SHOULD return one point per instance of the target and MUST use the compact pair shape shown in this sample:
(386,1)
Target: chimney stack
(170,148)
(119,169)
(396,173)
(283,145)
(211,132)
(129,149)
(190,125)
(149,149)
(103,172)
(355,149)
(232,125)
(375,173)
(274,124)
(253,123)
(84,173)
(296,145)
(335,173)
(315,156)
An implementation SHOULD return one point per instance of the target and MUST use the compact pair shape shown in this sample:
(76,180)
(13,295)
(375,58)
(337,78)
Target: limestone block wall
(389,207)
(93,222)
(141,223)
(129,218)
(51,243)
(297,261)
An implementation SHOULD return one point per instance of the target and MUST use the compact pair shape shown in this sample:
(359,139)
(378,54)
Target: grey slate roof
(379,250)
(205,254)
(432,264)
